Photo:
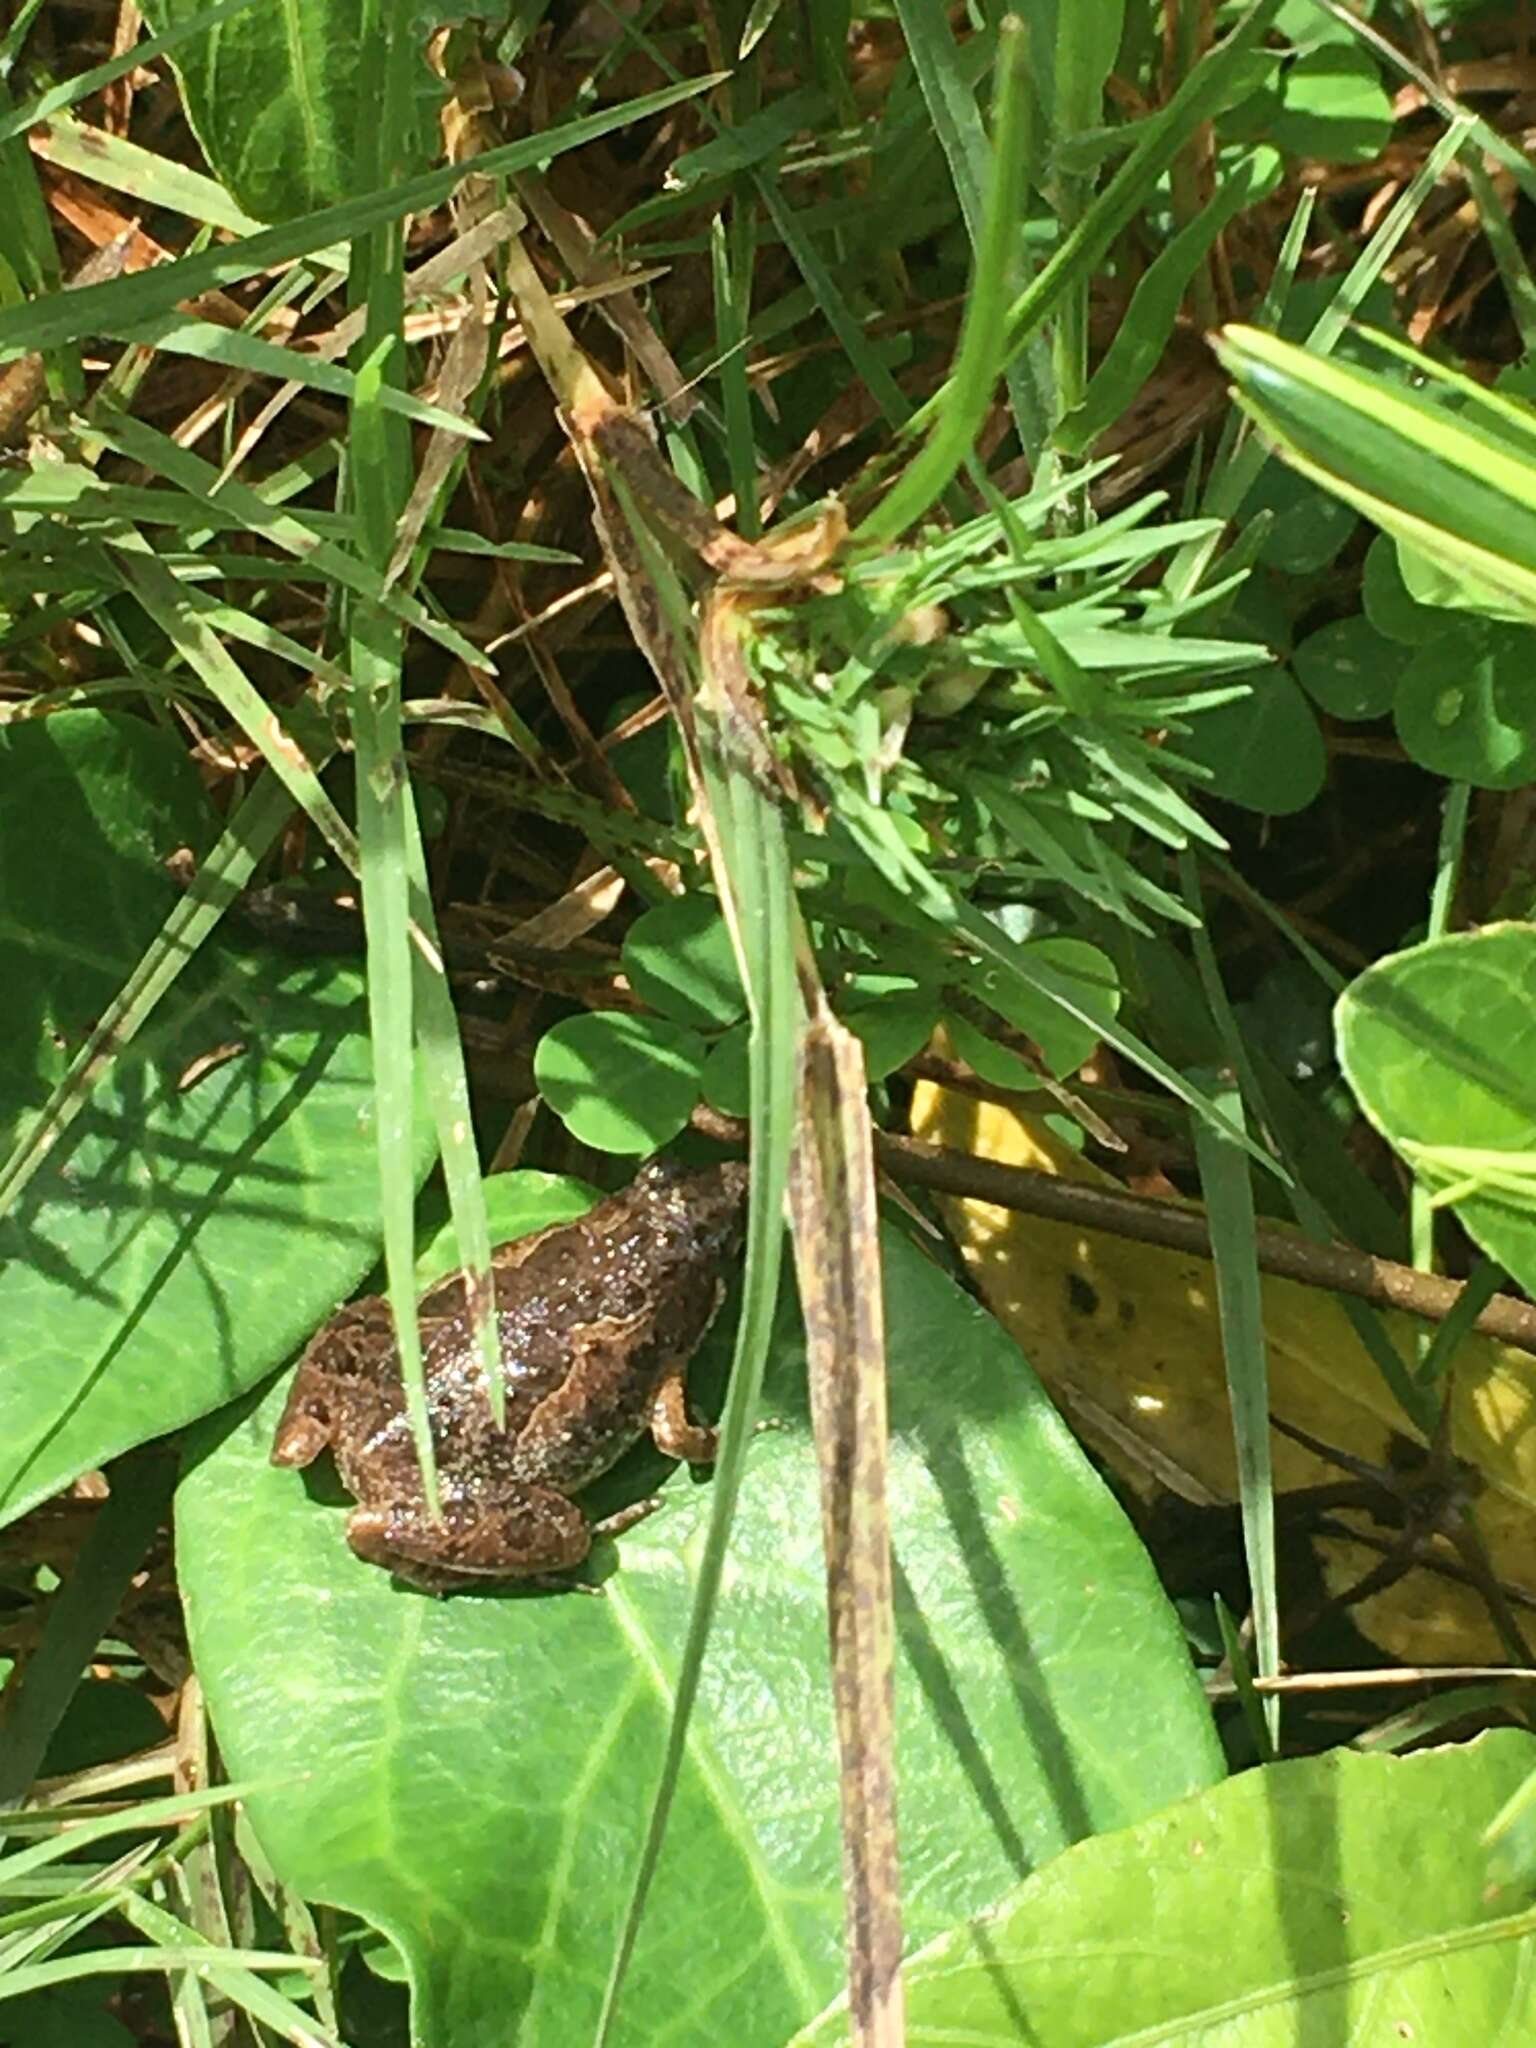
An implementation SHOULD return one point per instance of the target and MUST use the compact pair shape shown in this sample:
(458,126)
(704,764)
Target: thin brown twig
(1345,1681)
(1339,1268)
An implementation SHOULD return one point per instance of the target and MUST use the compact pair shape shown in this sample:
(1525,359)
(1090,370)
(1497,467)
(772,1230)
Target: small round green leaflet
(1389,604)
(1466,705)
(1333,105)
(1310,526)
(1064,1041)
(474,1775)
(726,1083)
(893,1017)
(1337,1899)
(1266,752)
(678,958)
(1439,1045)
(619,1082)
(1349,668)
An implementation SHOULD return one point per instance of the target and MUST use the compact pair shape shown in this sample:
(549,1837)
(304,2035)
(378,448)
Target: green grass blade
(1449,855)
(1504,151)
(945,78)
(114,306)
(1228,1187)
(1142,335)
(1233,477)
(80,1614)
(206,342)
(285,530)
(1504,247)
(1255,1710)
(68,1831)
(731,249)
(979,358)
(758,877)
(994,945)
(205,654)
(139,1962)
(230,1979)
(1443,484)
(1197,99)
(147,178)
(378,484)
(833,304)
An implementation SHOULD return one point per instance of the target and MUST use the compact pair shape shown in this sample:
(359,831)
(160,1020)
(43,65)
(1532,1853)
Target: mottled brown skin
(597,1320)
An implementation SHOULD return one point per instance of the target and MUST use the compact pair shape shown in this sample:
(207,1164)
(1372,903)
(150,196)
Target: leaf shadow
(188,1210)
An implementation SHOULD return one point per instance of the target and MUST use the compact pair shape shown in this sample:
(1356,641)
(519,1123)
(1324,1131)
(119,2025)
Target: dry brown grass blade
(837,1255)
(833,1204)
(588,266)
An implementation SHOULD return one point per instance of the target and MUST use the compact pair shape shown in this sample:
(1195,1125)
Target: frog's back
(581,1321)
(590,1315)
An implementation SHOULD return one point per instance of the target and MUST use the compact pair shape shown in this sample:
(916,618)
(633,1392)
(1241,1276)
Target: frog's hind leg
(675,1436)
(537,1533)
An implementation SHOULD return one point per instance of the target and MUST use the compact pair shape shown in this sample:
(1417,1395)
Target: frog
(597,1321)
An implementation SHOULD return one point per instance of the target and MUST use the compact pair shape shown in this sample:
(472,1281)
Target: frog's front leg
(675,1436)
(524,1534)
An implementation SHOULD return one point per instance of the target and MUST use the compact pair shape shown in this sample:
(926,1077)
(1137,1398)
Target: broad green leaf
(1439,1045)
(1265,753)
(228,1148)
(678,958)
(1466,704)
(1302,25)
(475,1774)
(1349,668)
(111,799)
(618,1082)
(188,1232)
(1338,1898)
(278,99)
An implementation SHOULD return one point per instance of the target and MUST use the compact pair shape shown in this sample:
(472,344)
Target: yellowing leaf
(1126,1337)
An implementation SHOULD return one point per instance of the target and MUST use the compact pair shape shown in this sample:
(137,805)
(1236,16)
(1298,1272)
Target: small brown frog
(597,1321)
